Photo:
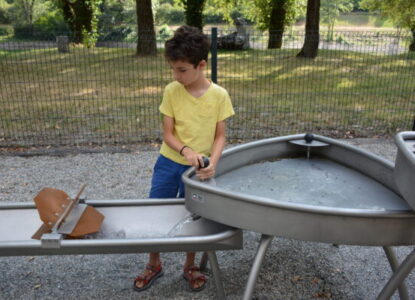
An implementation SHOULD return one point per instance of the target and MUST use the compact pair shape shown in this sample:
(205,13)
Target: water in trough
(316,182)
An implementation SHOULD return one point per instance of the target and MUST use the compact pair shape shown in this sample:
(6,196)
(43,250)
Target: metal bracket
(51,240)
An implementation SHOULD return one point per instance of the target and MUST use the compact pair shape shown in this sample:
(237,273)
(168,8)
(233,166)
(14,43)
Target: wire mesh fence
(361,84)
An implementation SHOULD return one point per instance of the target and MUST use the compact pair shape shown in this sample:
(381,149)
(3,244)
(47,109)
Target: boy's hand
(195,159)
(206,173)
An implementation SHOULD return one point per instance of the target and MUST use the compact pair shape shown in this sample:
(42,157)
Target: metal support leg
(203,261)
(259,257)
(398,277)
(216,274)
(403,291)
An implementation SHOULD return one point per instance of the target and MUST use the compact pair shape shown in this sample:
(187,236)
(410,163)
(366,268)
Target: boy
(194,111)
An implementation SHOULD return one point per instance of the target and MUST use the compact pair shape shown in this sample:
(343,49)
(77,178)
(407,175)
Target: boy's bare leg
(190,261)
(154,260)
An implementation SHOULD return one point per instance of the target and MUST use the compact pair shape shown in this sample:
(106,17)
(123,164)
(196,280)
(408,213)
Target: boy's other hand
(195,159)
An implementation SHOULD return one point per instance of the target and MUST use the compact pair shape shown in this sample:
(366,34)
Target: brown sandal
(191,277)
(153,274)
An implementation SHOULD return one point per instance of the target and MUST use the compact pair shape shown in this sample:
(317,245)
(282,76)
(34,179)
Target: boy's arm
(194,158)
(217,148)
(218,143)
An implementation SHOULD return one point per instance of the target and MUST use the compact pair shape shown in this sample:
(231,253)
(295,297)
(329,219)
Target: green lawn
(360,20)
(90,94)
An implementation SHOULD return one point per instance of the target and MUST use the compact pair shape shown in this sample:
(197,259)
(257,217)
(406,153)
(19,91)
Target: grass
(361,19)
(90,94)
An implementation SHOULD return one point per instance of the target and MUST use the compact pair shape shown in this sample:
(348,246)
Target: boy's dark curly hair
(188,44)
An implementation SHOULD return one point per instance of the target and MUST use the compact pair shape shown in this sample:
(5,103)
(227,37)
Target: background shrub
(6,30)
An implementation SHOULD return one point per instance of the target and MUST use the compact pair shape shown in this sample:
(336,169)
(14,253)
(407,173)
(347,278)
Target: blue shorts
(167,179)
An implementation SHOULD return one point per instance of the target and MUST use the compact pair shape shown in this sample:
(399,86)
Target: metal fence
(361,84)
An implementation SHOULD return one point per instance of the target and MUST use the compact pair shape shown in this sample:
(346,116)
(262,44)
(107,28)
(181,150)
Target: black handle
(206,163)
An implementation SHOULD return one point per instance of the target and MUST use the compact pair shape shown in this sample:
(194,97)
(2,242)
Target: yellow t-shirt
(194,118)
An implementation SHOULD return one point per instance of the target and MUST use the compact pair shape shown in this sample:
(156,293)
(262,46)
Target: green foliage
(342,40)
(4,15)
(25,12)
(164,32)
(212,15)
(90,38)
(167,13)
(259,11)
(402,12)
(6,30)
(82,18)
(330,10)
(23,31)
(118,33)
(51,24)
(115,13)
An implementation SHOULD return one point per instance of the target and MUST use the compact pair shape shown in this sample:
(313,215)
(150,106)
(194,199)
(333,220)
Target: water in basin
(317,182)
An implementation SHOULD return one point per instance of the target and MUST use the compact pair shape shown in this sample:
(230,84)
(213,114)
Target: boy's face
(185,72)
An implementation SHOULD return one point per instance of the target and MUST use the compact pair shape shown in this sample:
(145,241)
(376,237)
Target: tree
(4,7)
(22,12)
(276,23)
(271,15)
(312,30)
(402,12)
(146,43)
(194,12)
(82,18)
(330,10)
(28,8)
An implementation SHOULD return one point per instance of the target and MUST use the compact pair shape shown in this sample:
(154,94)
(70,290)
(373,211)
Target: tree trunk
(28,6)
(312,35)
(194,12)
(78,14)
(146,43)
(412,45)
(276,24)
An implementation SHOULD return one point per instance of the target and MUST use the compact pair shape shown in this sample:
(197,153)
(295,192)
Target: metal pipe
(103,203)
(216,274)
(203,261)
(406,266)
(403,291)
(253,275)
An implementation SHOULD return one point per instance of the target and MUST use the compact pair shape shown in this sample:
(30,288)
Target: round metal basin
(323,191)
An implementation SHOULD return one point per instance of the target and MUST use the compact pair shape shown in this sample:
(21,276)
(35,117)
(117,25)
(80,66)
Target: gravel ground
(291,270)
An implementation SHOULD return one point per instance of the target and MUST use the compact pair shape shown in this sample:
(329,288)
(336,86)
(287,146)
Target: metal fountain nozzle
(309,137)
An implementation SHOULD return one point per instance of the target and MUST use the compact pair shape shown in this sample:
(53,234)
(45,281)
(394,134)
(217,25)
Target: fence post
(62,43)
(214,53)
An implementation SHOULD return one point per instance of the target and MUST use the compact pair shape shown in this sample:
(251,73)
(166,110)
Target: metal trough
(130,226)
(313,189)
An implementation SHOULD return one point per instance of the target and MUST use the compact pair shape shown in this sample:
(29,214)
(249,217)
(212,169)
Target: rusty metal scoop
(62,215)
